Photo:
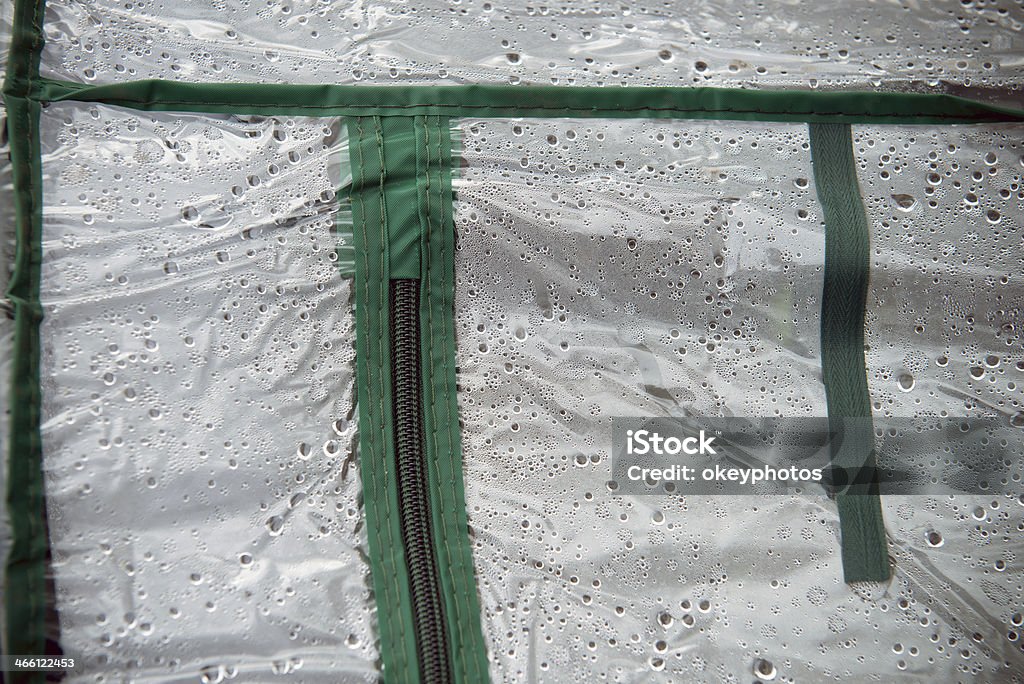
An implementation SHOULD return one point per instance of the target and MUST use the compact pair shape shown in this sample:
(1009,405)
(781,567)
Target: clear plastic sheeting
(198,399)
(946,45)
(675,268)
(943,326)
(6,21)
(636,268)
(945,314)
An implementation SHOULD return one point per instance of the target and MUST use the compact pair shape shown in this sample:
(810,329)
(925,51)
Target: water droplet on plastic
(904,202)
(765,669)
(906,382)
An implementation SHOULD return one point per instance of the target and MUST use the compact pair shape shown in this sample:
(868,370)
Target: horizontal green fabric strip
(533,101)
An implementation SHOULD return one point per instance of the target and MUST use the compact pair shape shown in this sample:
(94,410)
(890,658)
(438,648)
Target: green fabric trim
(402,207)
(401,178)
(533,101)
(453,550)
(864,552)
(22,76)
(388,567)
(25,586)
(25,572)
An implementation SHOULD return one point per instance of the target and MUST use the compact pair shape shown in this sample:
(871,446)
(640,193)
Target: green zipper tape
(440,414)
(844,295)
(388,567)
(403,228)
(533,101)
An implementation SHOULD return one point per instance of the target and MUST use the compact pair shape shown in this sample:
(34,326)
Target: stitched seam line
(447,391)
(460,611)
(376,452)
(384,332)
(448,305)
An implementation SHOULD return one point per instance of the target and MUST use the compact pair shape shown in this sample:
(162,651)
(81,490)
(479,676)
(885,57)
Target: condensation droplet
(765,669)
(904,202)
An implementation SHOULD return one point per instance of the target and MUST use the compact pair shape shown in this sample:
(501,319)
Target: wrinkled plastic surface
(946,307)
(198,399)
(943,330)
(945,315)
(942,45)
(660,268)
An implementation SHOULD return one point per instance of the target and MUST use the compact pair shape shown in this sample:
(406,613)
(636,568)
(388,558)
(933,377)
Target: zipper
(432,645)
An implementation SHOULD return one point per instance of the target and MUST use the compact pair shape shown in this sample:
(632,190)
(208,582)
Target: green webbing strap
(440,414)
(864,552)
(25,573)
(403,228)
(370,220)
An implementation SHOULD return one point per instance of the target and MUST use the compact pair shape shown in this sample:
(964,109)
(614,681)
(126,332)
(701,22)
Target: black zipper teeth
(414,503)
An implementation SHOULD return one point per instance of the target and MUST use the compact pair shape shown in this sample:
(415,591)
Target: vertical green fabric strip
(864,553)
(403,228)
(370,219)
(441,421)
(25,573)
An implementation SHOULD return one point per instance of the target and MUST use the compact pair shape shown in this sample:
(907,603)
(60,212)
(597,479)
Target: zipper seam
(432,641)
